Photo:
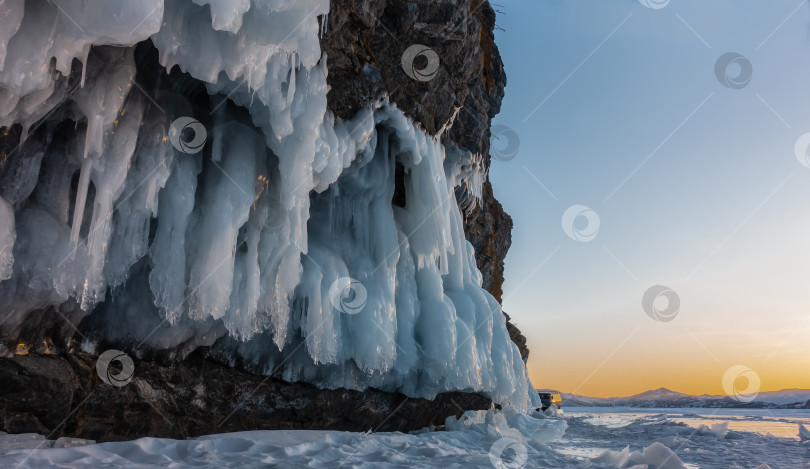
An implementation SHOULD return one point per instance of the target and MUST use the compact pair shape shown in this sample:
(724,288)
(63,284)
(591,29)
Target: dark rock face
(364,45)
(489,229)
(365,42)
(64,394)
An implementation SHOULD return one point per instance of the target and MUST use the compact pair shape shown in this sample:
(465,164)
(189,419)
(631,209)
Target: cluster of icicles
(275,242)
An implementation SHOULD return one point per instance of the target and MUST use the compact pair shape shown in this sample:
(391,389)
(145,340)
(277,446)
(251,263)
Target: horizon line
(667,389)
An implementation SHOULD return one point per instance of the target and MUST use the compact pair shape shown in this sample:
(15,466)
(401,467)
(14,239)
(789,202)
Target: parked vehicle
(549,398)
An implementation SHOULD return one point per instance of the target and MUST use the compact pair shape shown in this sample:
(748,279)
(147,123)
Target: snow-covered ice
(478,440)
(699,438)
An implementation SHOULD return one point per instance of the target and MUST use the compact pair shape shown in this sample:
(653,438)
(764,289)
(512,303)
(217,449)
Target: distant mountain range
(662,397)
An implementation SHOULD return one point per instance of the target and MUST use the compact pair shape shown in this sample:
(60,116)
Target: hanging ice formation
(276,243)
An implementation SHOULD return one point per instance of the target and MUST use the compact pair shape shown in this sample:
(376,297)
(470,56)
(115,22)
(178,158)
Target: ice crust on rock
(238,246)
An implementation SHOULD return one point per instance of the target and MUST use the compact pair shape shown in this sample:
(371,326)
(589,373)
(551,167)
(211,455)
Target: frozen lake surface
(593,438)
(744,438)
(776,422)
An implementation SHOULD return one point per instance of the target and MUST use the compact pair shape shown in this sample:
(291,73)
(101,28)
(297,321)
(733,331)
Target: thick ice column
(149,169)
(81,199)
(168,252)
(7,236)
(228,195)
(109,188)
(112,72)
(242,320)
(11,15)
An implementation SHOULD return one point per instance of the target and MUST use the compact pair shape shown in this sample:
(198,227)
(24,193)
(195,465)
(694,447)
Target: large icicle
(7,236)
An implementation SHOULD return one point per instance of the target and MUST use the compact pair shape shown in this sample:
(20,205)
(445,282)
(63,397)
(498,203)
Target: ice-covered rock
(656,455)
(719,429)
(274,239)
(531,427)
(804,433)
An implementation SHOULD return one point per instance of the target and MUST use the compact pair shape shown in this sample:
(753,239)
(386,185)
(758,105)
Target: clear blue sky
(696,185)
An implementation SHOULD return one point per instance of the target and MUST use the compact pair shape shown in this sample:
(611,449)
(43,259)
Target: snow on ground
(580,439)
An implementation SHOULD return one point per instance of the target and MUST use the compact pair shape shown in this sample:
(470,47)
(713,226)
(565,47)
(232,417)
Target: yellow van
(548,397)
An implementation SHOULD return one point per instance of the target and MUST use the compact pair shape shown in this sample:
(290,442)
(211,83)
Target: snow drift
(260,224)
(465,446)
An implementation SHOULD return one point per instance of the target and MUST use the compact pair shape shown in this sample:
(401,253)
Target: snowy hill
(660,394)
(662,397)
(786,396)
